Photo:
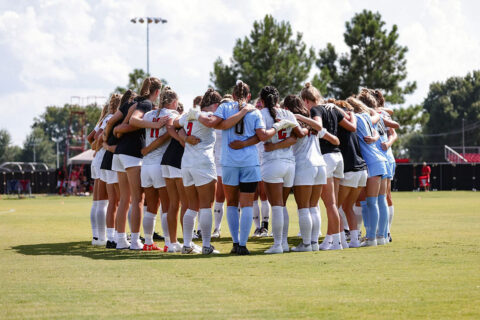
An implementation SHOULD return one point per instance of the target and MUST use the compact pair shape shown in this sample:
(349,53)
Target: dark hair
(367,98)
(149,86)
(296,106)
(180,108)
(240,92)
(127,96)
(210,97)
(197,101)
(270,96)
(167,96)
(310,93)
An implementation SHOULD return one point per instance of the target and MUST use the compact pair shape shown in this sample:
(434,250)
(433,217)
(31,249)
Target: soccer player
(198,172)
(329,118)
(376,165)
(310,174)
(127,161)
(100,202)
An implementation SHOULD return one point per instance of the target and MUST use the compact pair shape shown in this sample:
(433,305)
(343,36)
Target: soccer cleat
(276,248)
(174,247)
(99,243)
(243,251)
(256,233)
(315,246)
(209,250)
(216,233)
(325,245)
(199,234)
(285,247)
(302,247)
(263,232)
(151,247)
(345,244)
(94,241)
(381,241)
(111,245)
(369,243)
(336,246)
(389,237)
(157,236)
(187,250)
(136,245)
(354,243)
(234,249)
(347,234)
(196,248)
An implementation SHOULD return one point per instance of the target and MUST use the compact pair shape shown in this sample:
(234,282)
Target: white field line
(8,211)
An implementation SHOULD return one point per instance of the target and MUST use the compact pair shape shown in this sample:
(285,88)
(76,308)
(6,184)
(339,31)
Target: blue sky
(52,50)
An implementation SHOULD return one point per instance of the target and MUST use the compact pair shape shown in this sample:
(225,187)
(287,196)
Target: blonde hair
(358,105)
(367,98)
(241,92)
(149,86)
(311,93)
(114,103)
(103,114)
(343,104)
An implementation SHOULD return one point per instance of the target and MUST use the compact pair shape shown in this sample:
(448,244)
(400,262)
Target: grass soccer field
(49,270)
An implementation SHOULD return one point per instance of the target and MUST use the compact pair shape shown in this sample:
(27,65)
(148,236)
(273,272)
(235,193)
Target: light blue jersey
(382,131)
(243,130)
(370,152)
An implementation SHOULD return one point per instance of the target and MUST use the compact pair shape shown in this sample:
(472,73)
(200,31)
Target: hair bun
(239,82)
(308,85)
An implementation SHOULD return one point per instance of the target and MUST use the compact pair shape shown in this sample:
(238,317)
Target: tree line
(273,55)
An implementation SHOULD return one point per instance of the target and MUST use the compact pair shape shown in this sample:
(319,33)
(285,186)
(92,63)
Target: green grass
(431,270)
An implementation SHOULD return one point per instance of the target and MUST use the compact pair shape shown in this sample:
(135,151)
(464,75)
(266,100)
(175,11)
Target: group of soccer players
(151,157)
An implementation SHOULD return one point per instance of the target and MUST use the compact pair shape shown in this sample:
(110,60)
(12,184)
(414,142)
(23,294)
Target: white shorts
(120,162)
(109,176)
(198,176)
(279,171)
(171,172)
(334,161)
(310,176)
(94,172)
(218,168)
(151,175)
(355,179)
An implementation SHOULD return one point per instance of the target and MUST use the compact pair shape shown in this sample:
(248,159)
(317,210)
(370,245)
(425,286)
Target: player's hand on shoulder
(369,139)
(192,140)
(249,108)
(193,115)
(269,147)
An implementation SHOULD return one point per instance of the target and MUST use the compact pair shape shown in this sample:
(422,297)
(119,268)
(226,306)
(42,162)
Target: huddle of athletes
(186,164)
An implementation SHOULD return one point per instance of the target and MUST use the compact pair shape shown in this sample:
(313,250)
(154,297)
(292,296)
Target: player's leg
(113,200)
(256,214)
(206,195)
(122,211)
(390,208)
(218,208)
(382,230)
(152,198)
(101,212)
(137,195)
(265,209)
(189,216)
(93,212)
(172,217)
(275,197)
(302,198)
(372,191)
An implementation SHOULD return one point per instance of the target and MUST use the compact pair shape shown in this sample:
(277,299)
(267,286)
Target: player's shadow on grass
(85,249)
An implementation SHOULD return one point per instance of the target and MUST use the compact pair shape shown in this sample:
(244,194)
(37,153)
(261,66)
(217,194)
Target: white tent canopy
(85,157)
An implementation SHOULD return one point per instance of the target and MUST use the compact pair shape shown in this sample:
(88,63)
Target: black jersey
(330,119)
(350,149)
(173,155)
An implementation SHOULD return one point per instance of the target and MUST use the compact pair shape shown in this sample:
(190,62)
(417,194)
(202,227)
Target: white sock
(343,239)
(121,237)
(93,219)
(390,217)
(166,234)
(205,221)
(336,239)
(135,236)
(319,220)
(256,214)
(188,224)
(265,211)
(218,211)
(101,218)
(149,220)
(354,236)
(110,234)
(129,216)
(358,216)
(305,222)
(286,221)
(344,218)
(315,215)
(277,224)
(326,240)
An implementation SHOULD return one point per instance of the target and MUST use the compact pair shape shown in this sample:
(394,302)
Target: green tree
(412,120)
(374,60)
(271,55)
(450,105)
(135,80)
(8,152)
(38,147)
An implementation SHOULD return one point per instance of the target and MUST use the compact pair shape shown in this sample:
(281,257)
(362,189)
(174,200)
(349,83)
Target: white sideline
(8,211)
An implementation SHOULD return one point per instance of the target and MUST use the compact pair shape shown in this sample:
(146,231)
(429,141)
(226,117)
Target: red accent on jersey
(157,131)
(189,128)
(282,134)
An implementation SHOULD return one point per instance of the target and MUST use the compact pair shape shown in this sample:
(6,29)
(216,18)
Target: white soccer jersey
(155,157)
(307,151)
(218,147)
(105,120)
(201,154)
(285,153)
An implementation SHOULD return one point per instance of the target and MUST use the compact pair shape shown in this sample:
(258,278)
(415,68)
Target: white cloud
(52,50)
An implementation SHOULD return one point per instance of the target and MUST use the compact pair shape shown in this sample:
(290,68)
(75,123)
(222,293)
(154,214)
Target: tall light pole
(148,20)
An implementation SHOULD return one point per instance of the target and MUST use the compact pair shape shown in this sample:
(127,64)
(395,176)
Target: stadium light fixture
(147,21)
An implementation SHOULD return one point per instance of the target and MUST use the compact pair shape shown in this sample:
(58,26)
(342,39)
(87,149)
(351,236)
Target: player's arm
(392,137)
(172,131)
(239,144)
(137,120)
(113,120)
(91,137)
(331,138)
(373,138)
(349,124)
(156,143)
(108,147)
(374,116)
(290,141)
(210,121)
(299,132)
(315,122)
(390,123)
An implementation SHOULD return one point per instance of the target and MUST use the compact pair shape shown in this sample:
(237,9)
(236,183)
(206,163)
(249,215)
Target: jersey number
(282,134)
(189,128)
(157,131)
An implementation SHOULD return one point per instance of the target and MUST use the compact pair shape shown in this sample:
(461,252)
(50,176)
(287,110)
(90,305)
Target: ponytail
(241,92)
(270,96)
(210,97)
